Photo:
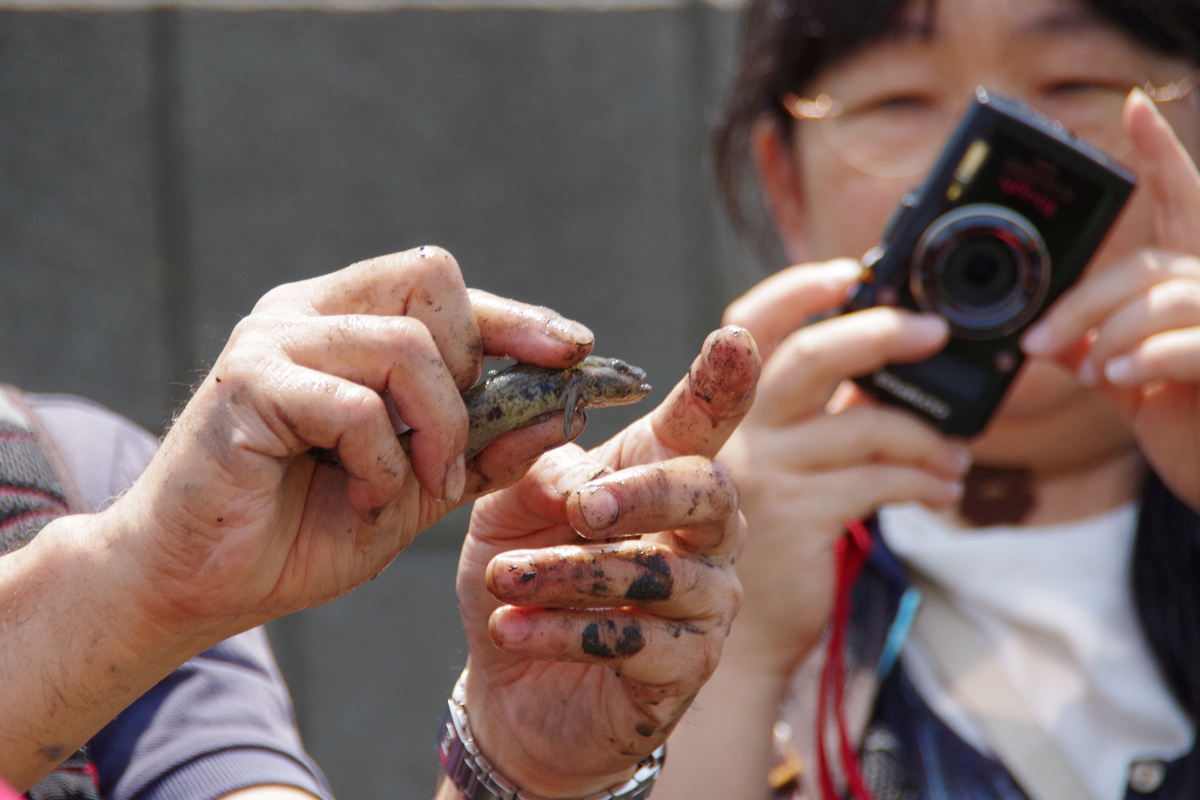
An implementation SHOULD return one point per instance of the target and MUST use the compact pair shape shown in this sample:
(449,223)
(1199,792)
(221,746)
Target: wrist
(763,659)
(184,591)
(477,778)
(132,607)
(68,604)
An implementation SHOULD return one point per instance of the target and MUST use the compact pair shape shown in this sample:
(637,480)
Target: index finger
(1167,172)
(424,284)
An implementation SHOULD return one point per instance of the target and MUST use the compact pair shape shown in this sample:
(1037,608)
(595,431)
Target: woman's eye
(1075,89)
(893,105)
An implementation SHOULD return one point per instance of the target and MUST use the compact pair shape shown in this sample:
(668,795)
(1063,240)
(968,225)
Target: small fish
(523,394)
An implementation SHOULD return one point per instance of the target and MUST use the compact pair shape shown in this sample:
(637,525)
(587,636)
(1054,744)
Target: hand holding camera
(1006,221)
(1133,331)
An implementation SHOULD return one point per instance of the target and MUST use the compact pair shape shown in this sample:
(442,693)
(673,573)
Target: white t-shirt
(1055,602)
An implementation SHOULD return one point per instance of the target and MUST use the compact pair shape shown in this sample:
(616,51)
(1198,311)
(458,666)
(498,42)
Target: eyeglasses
(900,137)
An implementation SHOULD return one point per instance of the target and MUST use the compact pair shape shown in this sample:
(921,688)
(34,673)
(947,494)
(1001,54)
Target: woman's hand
(814,452)
(584,654)
(1133,331)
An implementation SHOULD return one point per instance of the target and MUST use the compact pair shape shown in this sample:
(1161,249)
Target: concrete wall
(161,168)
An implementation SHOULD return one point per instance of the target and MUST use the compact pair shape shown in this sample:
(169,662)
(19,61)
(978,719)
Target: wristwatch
(477,779)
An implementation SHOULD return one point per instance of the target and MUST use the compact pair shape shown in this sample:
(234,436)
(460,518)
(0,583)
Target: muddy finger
(629,573)
(641,646)
(684,493)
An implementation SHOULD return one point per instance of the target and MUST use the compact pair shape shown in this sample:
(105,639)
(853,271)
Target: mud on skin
(655,582)
(724,359)
(584,571)
(601,640)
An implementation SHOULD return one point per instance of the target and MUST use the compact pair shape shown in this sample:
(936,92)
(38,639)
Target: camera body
(1006,221)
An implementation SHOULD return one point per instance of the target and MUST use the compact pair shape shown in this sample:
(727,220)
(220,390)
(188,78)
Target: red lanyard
(850,554)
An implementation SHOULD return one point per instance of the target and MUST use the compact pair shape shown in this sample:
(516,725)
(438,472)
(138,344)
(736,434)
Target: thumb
(1168,173)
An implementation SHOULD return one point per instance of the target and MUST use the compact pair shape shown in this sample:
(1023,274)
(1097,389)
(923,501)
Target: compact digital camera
(1007,220)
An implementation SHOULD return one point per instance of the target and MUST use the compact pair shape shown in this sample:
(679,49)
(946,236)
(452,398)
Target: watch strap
(477,779)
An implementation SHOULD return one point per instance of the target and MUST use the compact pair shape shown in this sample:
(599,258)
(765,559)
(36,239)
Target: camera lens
(980,273)
(984,268)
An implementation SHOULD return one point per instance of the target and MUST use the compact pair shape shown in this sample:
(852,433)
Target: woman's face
(1034,49)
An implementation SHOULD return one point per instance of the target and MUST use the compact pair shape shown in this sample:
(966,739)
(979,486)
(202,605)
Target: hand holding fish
(590,643)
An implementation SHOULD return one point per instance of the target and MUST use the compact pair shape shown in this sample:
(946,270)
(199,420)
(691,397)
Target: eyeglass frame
(823,106)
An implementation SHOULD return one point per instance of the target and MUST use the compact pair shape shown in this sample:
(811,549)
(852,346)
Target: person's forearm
(723,746)
(446,790)
(75,648)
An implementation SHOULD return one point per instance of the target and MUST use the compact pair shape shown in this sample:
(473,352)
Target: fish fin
(569,405)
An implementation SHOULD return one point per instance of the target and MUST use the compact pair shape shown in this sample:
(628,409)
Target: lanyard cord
(850,555)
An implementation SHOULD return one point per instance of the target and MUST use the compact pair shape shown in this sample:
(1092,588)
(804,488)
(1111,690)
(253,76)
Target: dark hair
(785,44)
(1166,589)
(1165,575)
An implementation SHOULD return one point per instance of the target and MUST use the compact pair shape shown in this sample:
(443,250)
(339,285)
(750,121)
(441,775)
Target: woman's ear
(783,191)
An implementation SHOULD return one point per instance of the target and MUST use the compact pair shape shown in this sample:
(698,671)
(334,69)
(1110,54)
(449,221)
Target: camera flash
(971,161)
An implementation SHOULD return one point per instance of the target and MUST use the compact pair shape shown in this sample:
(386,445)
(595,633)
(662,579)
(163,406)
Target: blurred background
(163,166)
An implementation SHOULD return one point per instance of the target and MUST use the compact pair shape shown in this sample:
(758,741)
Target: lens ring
(984,268)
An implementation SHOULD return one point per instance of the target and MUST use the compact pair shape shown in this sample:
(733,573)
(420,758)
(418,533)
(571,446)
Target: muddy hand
(584,655)
(248,528)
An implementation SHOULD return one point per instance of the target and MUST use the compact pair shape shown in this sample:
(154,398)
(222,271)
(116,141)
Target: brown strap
(971,671)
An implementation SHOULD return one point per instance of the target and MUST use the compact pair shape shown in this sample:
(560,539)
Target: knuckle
(434,265)
(283,295)
(407,333)
(359,404)
(865,427)
(724,493)
(1176,294)
(437,257)
(258,328)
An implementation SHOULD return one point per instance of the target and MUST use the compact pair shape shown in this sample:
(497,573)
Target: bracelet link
(477,779)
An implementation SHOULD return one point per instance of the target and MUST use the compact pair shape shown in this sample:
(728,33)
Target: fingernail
(1036,341)
(456,480)
(929,326)
(512,626)
(599,507)
(1087,372)
(569,331)
(1119,371)
(960,459)
(844,269)
(953,491)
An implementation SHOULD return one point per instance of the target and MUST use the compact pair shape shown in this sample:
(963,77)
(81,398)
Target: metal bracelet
(477,779)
